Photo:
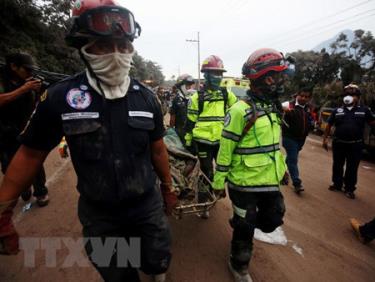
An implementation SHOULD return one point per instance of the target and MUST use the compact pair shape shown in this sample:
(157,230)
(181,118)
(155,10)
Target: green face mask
(213,81)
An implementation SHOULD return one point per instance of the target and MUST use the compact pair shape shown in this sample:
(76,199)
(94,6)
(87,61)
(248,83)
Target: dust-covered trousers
(206,154)
(263,210)
(142,220)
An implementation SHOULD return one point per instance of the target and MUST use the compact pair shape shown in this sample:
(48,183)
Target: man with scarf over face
(250,160)
(114,127)
(205,119)
(347,141)
(178,110)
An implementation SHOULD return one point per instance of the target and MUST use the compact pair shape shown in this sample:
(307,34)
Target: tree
(38,27)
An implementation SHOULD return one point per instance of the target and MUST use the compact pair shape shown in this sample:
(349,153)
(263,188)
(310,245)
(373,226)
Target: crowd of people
(114,128)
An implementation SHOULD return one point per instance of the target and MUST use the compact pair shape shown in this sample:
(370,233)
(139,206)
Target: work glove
(191,150)
(63,149)
(169,197)
(220,194)
(8,235)
(285,179)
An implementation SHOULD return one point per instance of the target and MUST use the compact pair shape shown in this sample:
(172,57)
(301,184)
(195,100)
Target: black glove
(192,149)
(220,194)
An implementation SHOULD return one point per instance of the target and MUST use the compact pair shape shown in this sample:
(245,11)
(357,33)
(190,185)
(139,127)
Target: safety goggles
(277,65)
(109,21)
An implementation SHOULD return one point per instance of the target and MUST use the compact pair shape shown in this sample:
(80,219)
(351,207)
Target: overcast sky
(232,29)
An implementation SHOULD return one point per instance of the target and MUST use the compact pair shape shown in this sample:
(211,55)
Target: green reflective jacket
(253,162)
(207,125)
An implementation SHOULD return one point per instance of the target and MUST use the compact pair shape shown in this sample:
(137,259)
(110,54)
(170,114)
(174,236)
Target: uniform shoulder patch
(227,119)
(43,97)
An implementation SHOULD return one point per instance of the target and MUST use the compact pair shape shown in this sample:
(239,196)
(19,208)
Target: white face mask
(184,90)
(348,100)
(112,70)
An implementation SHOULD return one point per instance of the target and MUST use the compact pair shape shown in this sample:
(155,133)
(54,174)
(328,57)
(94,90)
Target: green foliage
(330,72)
(38,27)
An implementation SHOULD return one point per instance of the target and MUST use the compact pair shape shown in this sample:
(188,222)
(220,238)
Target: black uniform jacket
(109,140)
(350,124)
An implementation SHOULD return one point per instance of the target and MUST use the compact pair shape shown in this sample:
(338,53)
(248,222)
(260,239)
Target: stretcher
(188,180)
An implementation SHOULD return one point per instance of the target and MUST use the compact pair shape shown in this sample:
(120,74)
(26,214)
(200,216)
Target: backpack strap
(252,120)
(200,102)
(224,90)
(201,99)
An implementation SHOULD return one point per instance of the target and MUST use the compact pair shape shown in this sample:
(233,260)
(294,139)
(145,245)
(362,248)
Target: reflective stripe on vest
(204,141)
(222,168)
(259,188)
(210,118)
(257,150)
(230,135)
(193,112)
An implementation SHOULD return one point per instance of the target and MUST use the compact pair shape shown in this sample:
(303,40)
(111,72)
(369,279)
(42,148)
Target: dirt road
(320,246)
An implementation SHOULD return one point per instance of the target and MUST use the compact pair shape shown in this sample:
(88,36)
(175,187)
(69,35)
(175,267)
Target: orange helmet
(100,18)
(212,63)
(262,61)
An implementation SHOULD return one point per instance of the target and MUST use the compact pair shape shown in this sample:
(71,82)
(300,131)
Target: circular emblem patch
(340,110)
(227,120)
(78,99)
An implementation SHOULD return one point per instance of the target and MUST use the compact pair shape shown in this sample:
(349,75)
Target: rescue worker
(178,110)
(347,141)
(206,111)
(162,100)
(114,127)
(18,97)
(250,160)
(296,126)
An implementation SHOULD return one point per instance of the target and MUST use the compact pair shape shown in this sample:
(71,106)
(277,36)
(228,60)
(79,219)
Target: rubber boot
(239,276)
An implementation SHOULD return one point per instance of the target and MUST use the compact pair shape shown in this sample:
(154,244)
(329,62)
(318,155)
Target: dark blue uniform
(13,118)
(179,109)
(347,144)
(109,141)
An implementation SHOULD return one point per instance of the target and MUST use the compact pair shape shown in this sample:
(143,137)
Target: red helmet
(100,18)
(184,79)
(212,63)
(262,61)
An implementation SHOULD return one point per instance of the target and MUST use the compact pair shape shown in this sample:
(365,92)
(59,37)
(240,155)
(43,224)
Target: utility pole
(199,58)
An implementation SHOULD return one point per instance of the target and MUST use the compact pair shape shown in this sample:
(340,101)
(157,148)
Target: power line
(331,15)
(320,31)
(320,19)
(323,26)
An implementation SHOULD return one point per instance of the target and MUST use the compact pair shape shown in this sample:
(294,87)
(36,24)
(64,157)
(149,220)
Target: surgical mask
(213,81)
(348,100)
(112,70)
(190,92)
